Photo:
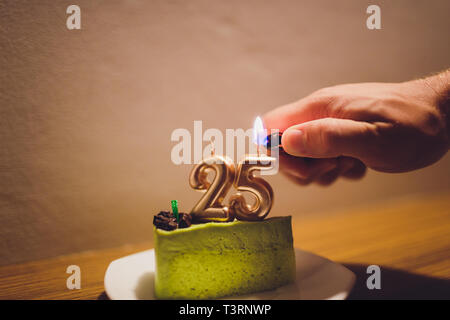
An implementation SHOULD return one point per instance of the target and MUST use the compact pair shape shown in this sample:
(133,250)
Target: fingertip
(328,178)
(297,180)
(345,164)
(293,142)
(294,166)
(358,171)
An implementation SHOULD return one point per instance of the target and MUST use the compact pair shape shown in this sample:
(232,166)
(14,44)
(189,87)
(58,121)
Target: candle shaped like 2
(210,206)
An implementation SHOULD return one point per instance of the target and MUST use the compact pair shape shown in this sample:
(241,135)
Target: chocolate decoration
(165,220)
(185,220)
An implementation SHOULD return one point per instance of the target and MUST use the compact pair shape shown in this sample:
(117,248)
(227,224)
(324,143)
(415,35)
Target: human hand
(389,127)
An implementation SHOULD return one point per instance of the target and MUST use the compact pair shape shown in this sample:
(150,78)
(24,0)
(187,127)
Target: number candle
(211,207)
(246,181)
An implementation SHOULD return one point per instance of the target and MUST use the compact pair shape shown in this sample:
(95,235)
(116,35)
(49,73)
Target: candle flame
(259,133)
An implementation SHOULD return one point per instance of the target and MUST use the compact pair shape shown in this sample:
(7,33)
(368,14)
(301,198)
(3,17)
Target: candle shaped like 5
(210,206)
(246,181)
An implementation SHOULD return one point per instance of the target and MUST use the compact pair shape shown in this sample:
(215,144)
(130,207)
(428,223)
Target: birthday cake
(218,259)
(232,249)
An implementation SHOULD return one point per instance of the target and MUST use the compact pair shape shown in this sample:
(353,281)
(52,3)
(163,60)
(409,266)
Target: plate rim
(337,296)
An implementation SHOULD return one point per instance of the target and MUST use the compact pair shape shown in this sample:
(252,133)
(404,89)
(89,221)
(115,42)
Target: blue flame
(259,132)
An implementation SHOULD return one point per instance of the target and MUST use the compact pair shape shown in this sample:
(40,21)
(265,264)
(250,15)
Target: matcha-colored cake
(213,260)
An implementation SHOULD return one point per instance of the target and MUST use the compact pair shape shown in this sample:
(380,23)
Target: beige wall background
(86,115)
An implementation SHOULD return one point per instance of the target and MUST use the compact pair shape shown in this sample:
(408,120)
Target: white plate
(132,277)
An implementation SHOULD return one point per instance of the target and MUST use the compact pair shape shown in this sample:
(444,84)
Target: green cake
(213,260)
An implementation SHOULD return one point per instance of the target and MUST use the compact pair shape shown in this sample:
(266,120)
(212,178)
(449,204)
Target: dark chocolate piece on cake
(185,220)
(165,220)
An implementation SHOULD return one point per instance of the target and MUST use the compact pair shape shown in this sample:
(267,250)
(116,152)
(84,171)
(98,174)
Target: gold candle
(246,181)
(210,206)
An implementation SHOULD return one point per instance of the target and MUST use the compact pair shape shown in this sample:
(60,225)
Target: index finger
(309,108)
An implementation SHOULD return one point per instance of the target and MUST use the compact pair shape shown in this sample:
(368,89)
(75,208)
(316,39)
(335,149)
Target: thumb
(328,138)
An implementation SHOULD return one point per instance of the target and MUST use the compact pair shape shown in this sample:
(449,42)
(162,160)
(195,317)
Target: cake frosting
(213,260)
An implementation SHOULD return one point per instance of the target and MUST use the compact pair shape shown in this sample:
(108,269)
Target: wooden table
(408,238)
